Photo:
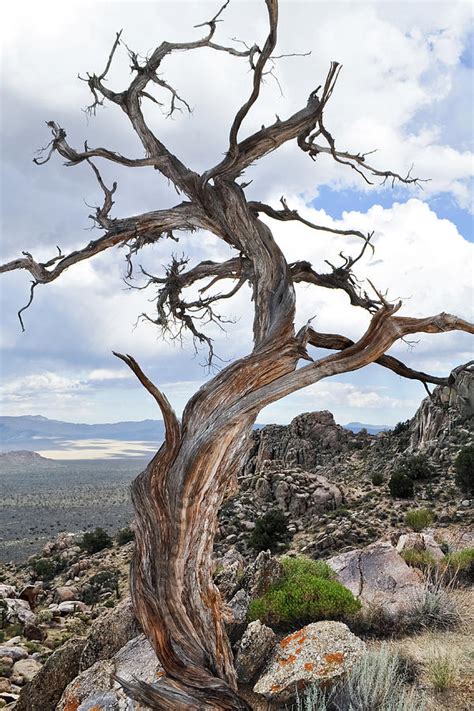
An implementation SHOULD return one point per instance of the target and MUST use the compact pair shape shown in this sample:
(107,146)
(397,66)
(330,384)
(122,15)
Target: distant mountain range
(34,432)
(371,429)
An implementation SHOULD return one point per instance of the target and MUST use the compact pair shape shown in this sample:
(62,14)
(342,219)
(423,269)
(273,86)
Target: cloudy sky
(405,90)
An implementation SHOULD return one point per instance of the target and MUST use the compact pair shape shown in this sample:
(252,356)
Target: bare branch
(286,215)
(172,426)
(333,341)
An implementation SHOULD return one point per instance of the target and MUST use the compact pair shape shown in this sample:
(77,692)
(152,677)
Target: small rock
(27,668)
(68,608)
(65,594)
(14,653)
(7,591)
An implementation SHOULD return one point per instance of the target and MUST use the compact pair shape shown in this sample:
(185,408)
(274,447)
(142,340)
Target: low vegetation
(442,670)
(270,532)
(401,486)
(464,469)
(125,535)
(306,592)
(95,541)
(376,681)
(418,519)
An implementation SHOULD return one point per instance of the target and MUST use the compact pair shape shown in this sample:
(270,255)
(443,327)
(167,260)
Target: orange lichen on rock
(72,704)
(334,658)
(276,688)
(298,650)
(309,666)
(159,674)
(287,660)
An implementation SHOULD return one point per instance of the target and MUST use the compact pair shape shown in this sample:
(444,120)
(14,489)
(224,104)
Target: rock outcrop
(254,649)
(449,407)
(308,441)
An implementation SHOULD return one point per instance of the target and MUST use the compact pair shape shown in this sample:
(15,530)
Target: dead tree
(177,497)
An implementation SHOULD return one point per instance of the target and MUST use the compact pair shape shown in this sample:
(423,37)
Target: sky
(406,90)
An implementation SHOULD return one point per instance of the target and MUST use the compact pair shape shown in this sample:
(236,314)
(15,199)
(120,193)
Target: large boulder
(379,577)
(317,654)
(254,649)
(96,687)
(109,634)
(47,686)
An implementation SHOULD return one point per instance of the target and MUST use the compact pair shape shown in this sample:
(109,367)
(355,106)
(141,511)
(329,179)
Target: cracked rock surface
(378,576)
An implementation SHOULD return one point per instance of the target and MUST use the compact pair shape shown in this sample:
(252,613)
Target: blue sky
(405,89)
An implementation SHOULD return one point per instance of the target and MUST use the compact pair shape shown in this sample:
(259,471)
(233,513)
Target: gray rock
(379,576)
(27,668)
(13,652)
(7,591)
(109,633)
(318,653)
(96,688)
(46,688)
(17,611)
(254,649)
(263,572)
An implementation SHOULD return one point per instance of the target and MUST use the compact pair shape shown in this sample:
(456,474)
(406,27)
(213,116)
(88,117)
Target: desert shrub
(459,565)
(125,535)
(377,479)
(401,486)
(464,469)
(46,568)
(305,593)
(401,427)
(373,682)
(442,670)
(418,519)
(271,530)
(418,559)
(416,466)
(101,585)
(95,541)
(434,607)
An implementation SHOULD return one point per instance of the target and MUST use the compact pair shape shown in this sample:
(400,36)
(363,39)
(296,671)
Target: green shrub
(95,541)
(46,568)
(271,530)
(100,586)
(401,427)
(377,479)
(125,535)
(418,559)
(401,486)
(418,519)
(416,466)
(306,592)
(460,564)
(464,469)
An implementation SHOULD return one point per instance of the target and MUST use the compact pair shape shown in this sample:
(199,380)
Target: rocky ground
(67,626)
